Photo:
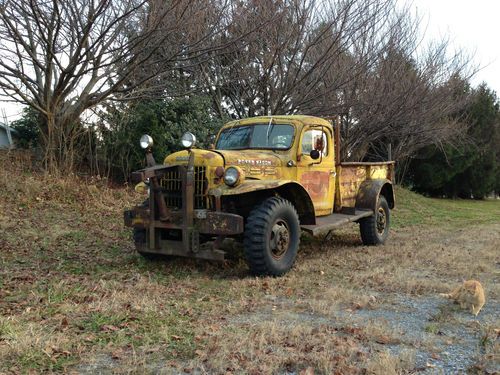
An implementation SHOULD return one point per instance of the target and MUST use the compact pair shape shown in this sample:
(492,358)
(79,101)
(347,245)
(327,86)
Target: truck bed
(350,176)
(326,223)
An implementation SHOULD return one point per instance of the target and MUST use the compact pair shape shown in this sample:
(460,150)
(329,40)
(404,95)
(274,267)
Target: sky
(470,25)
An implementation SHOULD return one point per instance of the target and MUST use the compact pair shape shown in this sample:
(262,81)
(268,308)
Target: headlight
(232,176)
(146,141)
(188,140)
(142,188)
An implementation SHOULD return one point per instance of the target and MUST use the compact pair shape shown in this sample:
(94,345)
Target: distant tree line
(470,170)
(95,74)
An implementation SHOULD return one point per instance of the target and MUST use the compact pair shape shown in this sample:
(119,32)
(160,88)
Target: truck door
(317,175)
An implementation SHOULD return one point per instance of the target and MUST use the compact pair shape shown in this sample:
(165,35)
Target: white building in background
(7,136)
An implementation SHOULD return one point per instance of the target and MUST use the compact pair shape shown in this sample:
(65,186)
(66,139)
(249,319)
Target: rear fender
(369,192)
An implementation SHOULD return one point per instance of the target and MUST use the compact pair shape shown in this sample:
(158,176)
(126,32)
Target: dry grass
(272,346)
(387,364)
(74,295)
(422,261)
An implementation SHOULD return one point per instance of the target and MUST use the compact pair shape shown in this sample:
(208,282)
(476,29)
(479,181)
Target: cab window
(314,139)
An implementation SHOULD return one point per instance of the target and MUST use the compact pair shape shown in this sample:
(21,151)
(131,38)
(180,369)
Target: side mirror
(314,154)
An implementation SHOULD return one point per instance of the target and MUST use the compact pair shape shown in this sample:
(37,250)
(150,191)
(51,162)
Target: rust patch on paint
(316,183)
(208,155)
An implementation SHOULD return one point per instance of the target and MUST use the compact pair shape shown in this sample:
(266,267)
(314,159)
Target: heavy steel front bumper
(218,224)
(190,223)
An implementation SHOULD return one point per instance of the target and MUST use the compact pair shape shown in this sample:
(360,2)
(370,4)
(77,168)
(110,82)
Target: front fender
(369,192)
(248,186)
(288,189)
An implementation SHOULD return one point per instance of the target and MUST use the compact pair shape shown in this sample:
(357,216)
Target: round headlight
(231,176)
(188,140)
(146,141)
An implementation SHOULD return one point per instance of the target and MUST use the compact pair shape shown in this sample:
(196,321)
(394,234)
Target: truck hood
(251,158)
(205,158)
(245,159)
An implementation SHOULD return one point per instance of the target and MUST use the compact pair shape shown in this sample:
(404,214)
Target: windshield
(270,136)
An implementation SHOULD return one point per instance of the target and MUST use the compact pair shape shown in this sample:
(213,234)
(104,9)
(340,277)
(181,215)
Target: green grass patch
(432,328)
(37,359)
(414,209)
(170,330)
(6,329)
(99,322)
(76,236)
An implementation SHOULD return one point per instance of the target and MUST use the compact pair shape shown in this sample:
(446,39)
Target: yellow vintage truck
(264,181)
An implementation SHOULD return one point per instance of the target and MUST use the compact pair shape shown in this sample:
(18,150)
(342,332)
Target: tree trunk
(60,137)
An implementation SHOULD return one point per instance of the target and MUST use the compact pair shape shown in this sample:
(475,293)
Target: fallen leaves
(384,340)
(200,353)
(435,356)
(118,354)
(109,328)
(53,352)
(307,371)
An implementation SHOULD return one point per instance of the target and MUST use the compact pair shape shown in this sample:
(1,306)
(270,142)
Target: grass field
(74,296)
(414,209)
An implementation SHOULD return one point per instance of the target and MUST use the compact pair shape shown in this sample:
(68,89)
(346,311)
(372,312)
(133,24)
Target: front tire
(272,237)
(140,240)
(375,229)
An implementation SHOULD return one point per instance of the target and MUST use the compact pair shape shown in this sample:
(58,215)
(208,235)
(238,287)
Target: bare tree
(280,68)
(360,58)
(408,98)
(64,57)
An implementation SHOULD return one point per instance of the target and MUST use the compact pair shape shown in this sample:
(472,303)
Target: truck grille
(171,184)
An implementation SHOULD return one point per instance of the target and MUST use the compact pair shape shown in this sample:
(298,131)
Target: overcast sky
(470,25)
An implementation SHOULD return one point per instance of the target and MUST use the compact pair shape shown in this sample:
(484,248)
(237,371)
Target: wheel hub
(280,239)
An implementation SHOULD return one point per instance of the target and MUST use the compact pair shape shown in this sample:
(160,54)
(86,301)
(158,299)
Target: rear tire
(272,237)
(375,229)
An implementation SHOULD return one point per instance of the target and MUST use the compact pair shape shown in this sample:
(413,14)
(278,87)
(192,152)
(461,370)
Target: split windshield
(256,136)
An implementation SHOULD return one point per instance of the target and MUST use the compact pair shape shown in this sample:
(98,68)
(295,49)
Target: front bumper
(205,222)
(217,224)
(188,223)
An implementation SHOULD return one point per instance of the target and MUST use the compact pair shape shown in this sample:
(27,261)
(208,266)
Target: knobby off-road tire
(272,237)
(375,229)
(139,236)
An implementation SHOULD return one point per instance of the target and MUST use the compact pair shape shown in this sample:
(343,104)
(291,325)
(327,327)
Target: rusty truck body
(265,180)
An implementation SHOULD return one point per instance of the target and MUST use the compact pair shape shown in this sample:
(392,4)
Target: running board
(324,224)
